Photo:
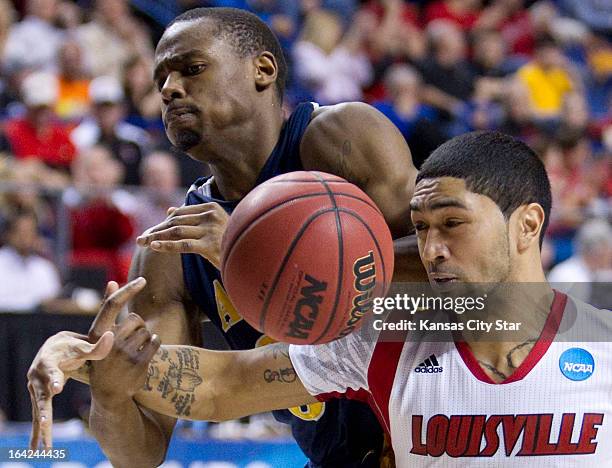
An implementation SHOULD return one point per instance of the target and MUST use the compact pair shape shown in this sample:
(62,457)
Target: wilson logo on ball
(307,308)
(364,270)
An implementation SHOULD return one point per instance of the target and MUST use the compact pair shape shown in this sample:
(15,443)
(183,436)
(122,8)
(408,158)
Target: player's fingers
(46,423)
(127,328)
(83,350)
(112,306)
(111,287)
(137,341)
(178,246)
(177,233)
(101,349)
(35,434)
(42,400)
(175,222)
(195,209)
(150,348)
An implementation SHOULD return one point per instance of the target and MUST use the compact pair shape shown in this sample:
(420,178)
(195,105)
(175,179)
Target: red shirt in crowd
(99,230)
(51,145)
(440,10)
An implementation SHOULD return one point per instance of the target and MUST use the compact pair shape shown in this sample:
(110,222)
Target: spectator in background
(107,127)
(518,119)
(112,37)
(160,178)
(596,14)
(405,109)
(547,78)
(592,261)
(100,228)
(450,82)
(33,42)
(332,68)
(39,134)
(7,18)
(73,100)
(26,278)
(567,162)
(574,118)
(464,13)
(513,22)
(143,101)
(598,84)
(395,34)
(489,55)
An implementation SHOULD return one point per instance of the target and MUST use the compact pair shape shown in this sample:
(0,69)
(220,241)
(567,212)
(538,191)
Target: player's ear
(266,70)
(530,220)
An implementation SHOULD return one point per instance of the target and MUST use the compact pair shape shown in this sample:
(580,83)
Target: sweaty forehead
(185,37)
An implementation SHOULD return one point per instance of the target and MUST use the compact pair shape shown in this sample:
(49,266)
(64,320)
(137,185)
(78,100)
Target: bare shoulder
(357,132)
(357,142)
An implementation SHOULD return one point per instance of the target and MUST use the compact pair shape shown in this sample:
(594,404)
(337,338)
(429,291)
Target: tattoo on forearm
(284,375)
(178,381)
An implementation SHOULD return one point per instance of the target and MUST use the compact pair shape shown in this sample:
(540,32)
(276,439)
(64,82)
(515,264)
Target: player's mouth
(440,279)
(179,113)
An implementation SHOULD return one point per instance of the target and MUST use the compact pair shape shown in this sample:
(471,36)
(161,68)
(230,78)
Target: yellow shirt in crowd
(547,88)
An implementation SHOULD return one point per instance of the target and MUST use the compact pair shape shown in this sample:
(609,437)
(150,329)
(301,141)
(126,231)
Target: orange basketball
(304,255)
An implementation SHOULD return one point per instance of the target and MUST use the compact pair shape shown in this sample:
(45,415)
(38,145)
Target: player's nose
(173,88)
(435,249)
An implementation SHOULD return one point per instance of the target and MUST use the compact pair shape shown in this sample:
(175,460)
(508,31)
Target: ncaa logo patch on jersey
(577,364)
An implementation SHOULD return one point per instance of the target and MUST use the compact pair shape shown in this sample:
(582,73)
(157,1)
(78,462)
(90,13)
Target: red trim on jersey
(537,352)
(381,374)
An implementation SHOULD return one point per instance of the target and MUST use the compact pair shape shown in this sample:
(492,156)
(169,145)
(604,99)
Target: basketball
(304,255)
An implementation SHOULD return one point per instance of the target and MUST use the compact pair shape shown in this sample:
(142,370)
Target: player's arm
(199,384)
(129,435)
(358,143)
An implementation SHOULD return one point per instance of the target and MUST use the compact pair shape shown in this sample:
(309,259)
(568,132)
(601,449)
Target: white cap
(105,89)
(40,89)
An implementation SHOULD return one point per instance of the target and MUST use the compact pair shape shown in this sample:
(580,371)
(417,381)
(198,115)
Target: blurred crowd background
(85,165)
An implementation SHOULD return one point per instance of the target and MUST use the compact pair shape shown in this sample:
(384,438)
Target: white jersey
(441,409)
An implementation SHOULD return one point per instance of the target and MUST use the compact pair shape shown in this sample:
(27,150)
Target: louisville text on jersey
(479,435)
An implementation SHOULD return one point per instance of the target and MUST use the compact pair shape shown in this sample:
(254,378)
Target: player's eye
(420,226)
(451,223)
(195,68)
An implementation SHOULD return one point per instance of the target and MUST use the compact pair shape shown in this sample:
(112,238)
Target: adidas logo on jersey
(429,366)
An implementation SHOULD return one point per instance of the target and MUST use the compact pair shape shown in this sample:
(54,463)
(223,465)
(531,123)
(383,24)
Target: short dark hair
(247,34)
(495,165)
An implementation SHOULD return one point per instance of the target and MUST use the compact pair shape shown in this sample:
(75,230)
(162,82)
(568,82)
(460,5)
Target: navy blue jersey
(339,433)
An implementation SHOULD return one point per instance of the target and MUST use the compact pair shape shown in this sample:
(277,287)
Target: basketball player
(221,74)
(549,404)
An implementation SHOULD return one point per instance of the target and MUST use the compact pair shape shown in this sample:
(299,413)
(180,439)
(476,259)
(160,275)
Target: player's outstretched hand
(189,229)
(63,352)
(66,352)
